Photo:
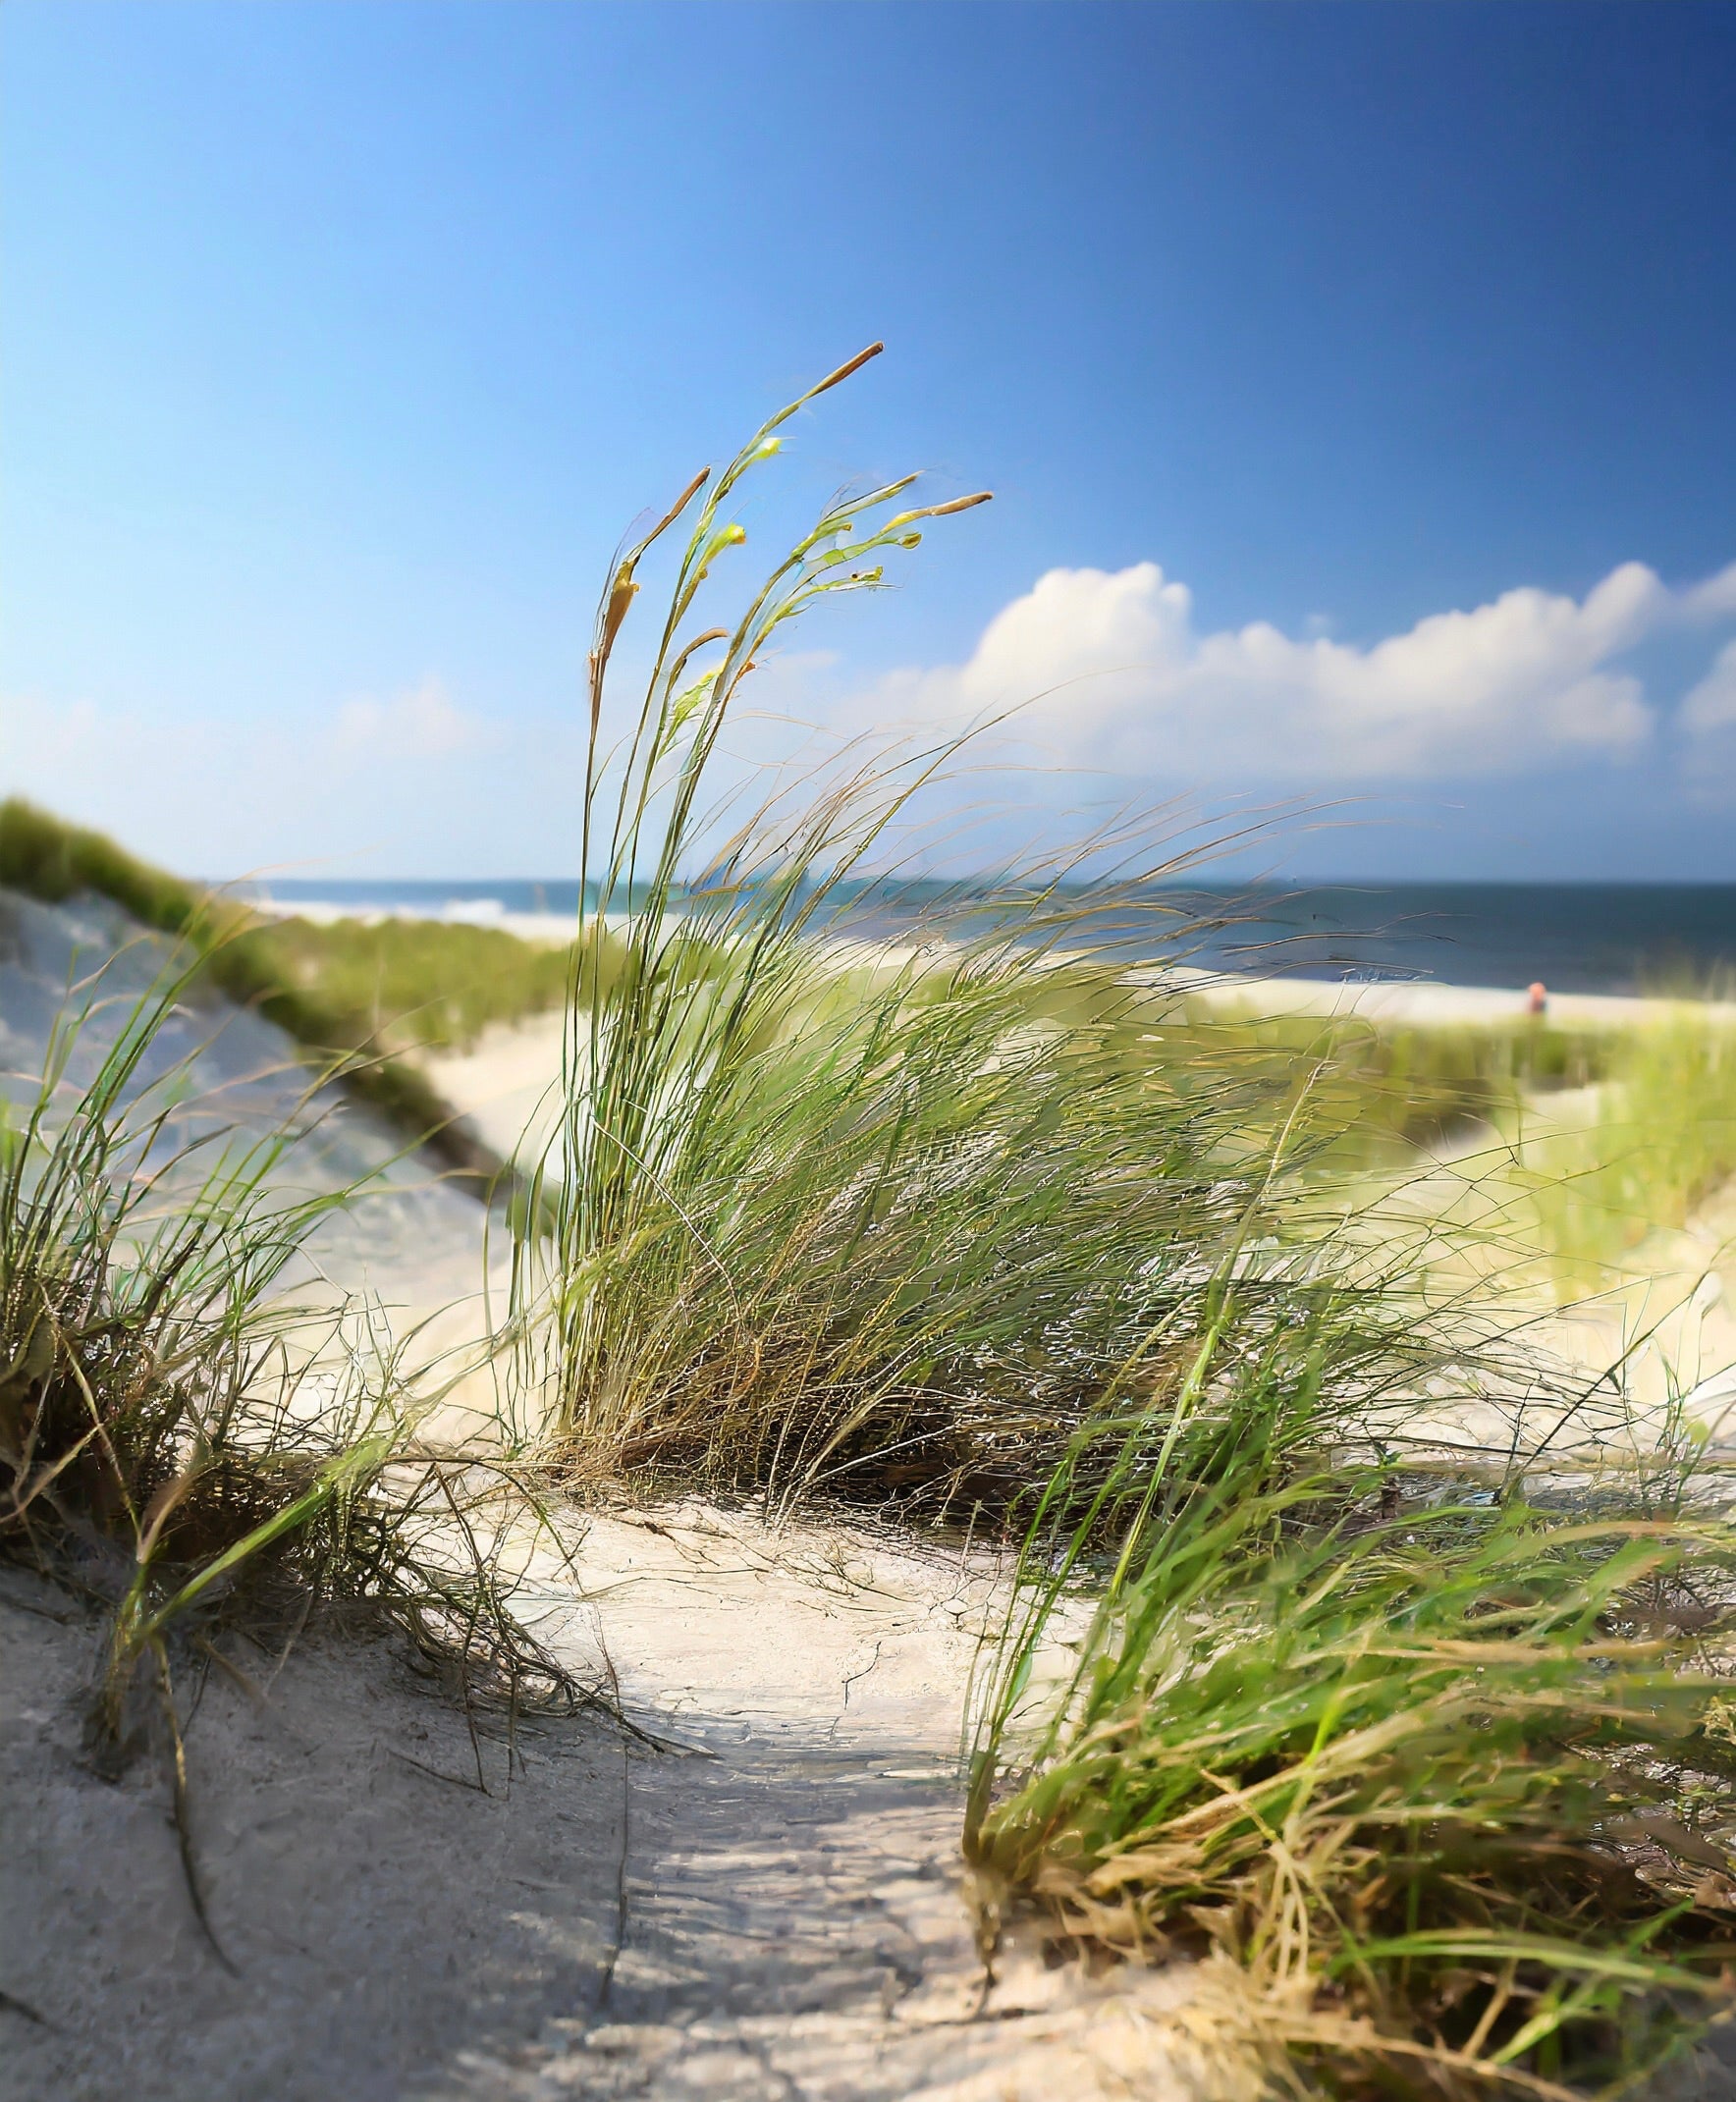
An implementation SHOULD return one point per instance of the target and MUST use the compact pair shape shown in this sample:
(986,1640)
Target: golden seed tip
(844,371)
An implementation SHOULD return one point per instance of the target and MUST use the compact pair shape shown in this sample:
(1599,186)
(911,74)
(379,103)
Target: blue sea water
(1576,937)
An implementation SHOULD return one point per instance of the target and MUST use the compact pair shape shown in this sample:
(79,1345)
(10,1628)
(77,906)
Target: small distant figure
(1537,997)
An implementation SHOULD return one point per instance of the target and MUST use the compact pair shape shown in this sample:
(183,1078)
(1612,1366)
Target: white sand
(507,1083)
(782,1917)
(1429,1003)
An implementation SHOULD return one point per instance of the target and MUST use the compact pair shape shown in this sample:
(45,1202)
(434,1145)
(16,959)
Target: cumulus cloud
(1109,670)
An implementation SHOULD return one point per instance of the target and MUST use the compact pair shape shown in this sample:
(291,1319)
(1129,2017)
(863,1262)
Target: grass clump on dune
(1658,1141)
(175,1444)
(1606,1193)
(1389,1089)
(1377,1093)
(826,1217)
(398,986)
(357,997)
(1445,1791)
(48,860)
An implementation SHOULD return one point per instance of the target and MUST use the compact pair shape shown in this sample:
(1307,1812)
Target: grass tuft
(894,1223)
(175,1443)
(1448,1785)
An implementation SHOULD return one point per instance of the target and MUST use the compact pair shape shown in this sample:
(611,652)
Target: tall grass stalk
(892,1220)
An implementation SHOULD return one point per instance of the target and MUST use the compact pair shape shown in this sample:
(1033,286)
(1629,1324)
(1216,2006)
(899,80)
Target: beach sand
(1423,1002)
(772,1906)
(775,1908)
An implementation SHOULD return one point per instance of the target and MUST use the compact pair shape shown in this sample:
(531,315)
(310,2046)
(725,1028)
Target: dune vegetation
(1440,1785)
(1653,1144)
(405,986)
(357,995)
(182,1443)
(1435,1768)
(1425,1749)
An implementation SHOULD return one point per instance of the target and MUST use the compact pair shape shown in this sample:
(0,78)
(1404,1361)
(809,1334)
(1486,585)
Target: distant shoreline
(1257,992)
(1434,1002)
(1610,940)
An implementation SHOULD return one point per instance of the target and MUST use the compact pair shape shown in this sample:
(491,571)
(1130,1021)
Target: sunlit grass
(893,1226)
(1445,1785)
(402,984)
(1643,1157)
(993,1223)
(183,1442)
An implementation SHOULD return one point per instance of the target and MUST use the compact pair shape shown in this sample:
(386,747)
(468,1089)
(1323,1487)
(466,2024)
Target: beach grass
(1380,1093)
(181,1442)
(360,1000)
(1606,1190)
(1434,1770)
(404,986)
(1440,1787)
(1651,1148)
(891,1224)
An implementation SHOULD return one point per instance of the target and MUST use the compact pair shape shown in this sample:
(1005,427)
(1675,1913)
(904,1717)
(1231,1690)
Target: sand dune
(776,1910)
(772,1906)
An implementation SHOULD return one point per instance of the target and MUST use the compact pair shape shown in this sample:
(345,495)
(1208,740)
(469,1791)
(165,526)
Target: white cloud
(1108,671)
(421,722)
(1712,705)
(338,788)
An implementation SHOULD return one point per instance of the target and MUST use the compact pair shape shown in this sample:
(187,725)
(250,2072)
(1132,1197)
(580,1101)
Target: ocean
(1576,938)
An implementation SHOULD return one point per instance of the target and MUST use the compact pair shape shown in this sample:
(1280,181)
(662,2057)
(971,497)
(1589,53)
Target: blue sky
(1333,366)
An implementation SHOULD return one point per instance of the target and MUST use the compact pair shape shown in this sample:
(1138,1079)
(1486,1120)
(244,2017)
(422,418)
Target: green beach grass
(1442,1790)
(360,1000)
(994,1228)
(1434,1769)
(895,1228)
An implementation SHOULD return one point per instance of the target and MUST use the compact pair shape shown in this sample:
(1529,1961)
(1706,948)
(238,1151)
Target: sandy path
(776,1912)
(505,1084)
